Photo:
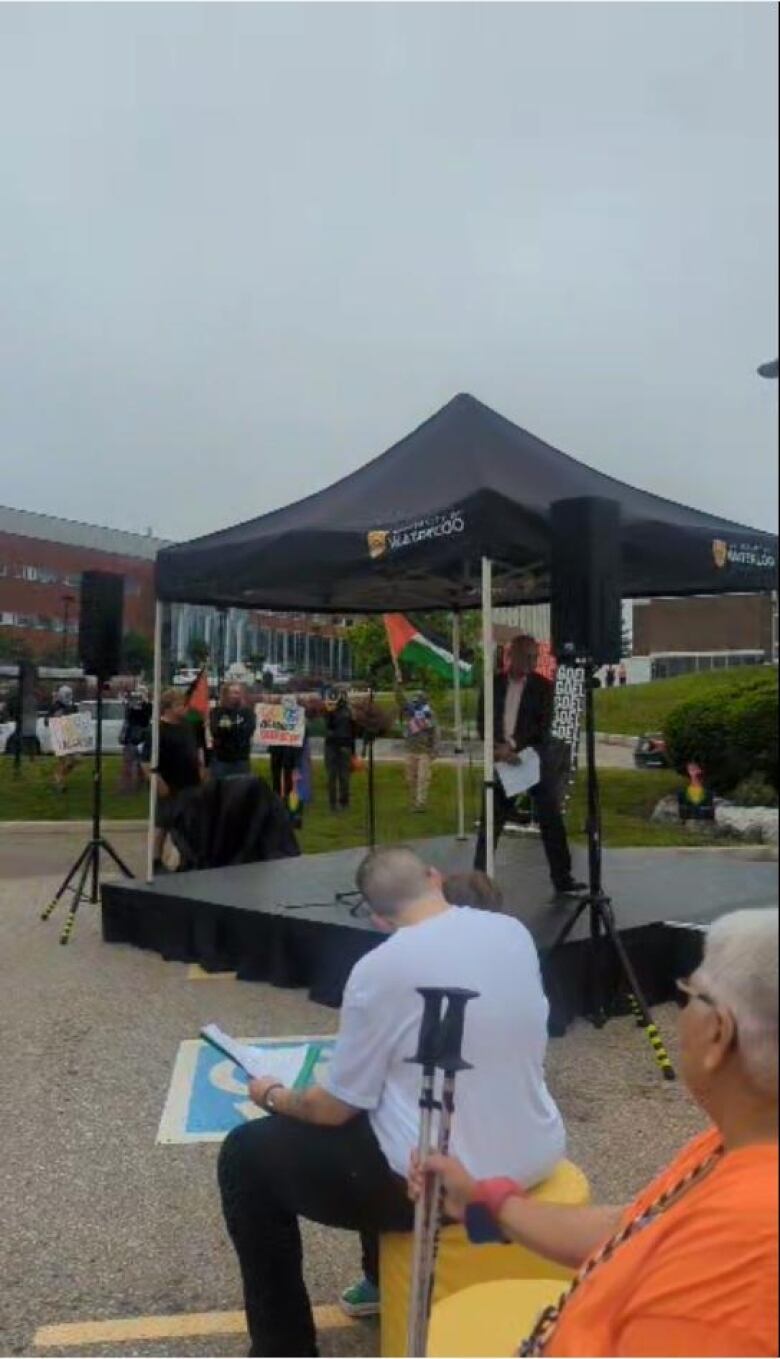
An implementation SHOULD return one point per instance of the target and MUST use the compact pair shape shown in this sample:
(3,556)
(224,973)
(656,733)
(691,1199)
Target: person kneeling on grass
(338,1153)
(690,1267)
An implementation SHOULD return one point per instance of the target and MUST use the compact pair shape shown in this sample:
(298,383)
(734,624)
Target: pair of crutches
(439,1049)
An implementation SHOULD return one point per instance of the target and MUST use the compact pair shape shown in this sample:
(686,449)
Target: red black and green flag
(409,646)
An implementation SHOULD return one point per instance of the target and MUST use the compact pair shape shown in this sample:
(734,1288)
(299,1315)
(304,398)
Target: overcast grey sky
(243,248)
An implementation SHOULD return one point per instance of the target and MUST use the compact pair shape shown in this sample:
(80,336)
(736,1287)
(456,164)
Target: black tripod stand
(88,863)
(603,929)
(353,897)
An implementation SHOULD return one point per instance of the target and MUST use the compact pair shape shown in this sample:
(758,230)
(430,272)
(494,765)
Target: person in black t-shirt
(340,732)
(135,729)
(232,728)
(179,765)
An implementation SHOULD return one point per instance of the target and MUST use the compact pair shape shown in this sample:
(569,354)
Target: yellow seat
(459,1264)
(490,1318)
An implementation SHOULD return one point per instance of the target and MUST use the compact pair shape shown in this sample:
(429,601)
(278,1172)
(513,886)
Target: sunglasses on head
(685,993)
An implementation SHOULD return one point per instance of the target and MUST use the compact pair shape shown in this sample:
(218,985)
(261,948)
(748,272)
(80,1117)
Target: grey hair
(390,879)
(740,966)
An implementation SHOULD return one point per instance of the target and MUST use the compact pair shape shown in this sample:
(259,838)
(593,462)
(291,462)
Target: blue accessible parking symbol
(208,1094)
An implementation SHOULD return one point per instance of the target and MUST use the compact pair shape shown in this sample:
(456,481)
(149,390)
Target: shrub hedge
(732,734)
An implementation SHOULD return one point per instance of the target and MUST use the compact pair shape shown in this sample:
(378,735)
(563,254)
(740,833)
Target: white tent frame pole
(156,693)
(489,716)
(458,719)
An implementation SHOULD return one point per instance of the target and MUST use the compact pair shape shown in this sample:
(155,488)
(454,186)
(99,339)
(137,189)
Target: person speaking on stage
(523,708)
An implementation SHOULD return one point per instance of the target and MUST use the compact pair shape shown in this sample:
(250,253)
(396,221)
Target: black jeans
(273,1169)
(338,767)
(547,807)
(282,767)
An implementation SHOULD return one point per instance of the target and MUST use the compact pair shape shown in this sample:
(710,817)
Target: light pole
(67,600)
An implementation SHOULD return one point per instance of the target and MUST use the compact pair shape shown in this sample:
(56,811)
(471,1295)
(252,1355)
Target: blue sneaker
(360,1300)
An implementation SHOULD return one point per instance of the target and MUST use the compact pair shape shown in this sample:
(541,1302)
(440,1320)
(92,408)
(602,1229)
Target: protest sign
(72,734)
(280,724)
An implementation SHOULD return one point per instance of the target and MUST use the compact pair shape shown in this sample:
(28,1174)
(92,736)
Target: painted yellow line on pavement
(196,973)
(123,1330)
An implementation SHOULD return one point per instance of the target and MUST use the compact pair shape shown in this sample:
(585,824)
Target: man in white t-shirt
(338,1153)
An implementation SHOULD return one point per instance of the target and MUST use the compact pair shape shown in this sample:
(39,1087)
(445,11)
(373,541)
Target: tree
(371,658)
(14,649)
(137,653)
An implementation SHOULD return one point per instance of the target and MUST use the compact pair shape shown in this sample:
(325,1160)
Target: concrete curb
(67,827)
(616,738)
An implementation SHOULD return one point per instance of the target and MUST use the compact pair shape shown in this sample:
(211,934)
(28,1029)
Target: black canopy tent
(454,516)
(409,529)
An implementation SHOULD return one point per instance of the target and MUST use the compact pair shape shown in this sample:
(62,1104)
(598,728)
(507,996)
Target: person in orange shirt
(691,1266)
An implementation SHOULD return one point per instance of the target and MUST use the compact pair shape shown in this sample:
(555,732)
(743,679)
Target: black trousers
(547,808)
(271,1171)
(338,768)
(282,767)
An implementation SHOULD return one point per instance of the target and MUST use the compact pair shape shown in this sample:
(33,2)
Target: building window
(40,575)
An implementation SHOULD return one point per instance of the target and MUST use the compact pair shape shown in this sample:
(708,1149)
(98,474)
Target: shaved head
(393,879)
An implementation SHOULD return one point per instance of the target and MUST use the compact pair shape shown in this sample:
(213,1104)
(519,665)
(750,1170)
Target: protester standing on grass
(232,724)
(180,765)
(690,1267)
(421,738)
(135,729)
(63,706)
(340,732)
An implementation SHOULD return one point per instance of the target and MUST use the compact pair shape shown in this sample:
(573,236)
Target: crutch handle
(430,1024)
(450,1056)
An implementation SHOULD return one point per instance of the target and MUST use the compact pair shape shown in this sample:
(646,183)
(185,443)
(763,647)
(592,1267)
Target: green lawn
(628,797)
(638,708)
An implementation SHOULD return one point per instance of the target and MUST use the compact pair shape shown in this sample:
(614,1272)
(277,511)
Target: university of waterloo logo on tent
(720,552)
(377,543)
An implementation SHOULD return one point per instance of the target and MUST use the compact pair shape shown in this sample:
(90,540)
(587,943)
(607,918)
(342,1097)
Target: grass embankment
(639,708)
(628,798)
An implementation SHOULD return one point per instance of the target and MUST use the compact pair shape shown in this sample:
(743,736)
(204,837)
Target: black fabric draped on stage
(232,821)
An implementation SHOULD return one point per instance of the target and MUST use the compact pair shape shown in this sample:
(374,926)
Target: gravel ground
(100,1222)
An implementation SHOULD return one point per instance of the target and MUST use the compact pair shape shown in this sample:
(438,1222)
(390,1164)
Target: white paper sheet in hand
(285,1063)
(518,778)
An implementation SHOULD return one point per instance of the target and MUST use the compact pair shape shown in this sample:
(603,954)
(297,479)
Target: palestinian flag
(407,644)
(197,696)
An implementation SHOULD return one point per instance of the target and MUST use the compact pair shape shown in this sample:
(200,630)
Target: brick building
(705,625)
(41,561)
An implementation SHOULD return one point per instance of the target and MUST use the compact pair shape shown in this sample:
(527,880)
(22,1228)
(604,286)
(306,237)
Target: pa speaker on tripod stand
(100,648)
(586,618)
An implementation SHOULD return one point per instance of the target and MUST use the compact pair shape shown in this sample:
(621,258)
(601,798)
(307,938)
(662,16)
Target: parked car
(42,737)
(113,721)
(650,752)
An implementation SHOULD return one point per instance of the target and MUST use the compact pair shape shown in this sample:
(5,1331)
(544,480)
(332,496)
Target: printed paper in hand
(285,1064)
(518,778)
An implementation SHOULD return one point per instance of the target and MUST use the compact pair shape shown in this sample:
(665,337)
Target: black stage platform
(279,922)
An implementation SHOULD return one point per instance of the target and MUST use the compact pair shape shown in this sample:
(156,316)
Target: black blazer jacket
(534,716)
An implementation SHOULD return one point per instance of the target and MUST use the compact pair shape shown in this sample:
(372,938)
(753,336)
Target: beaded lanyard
(550,1317)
